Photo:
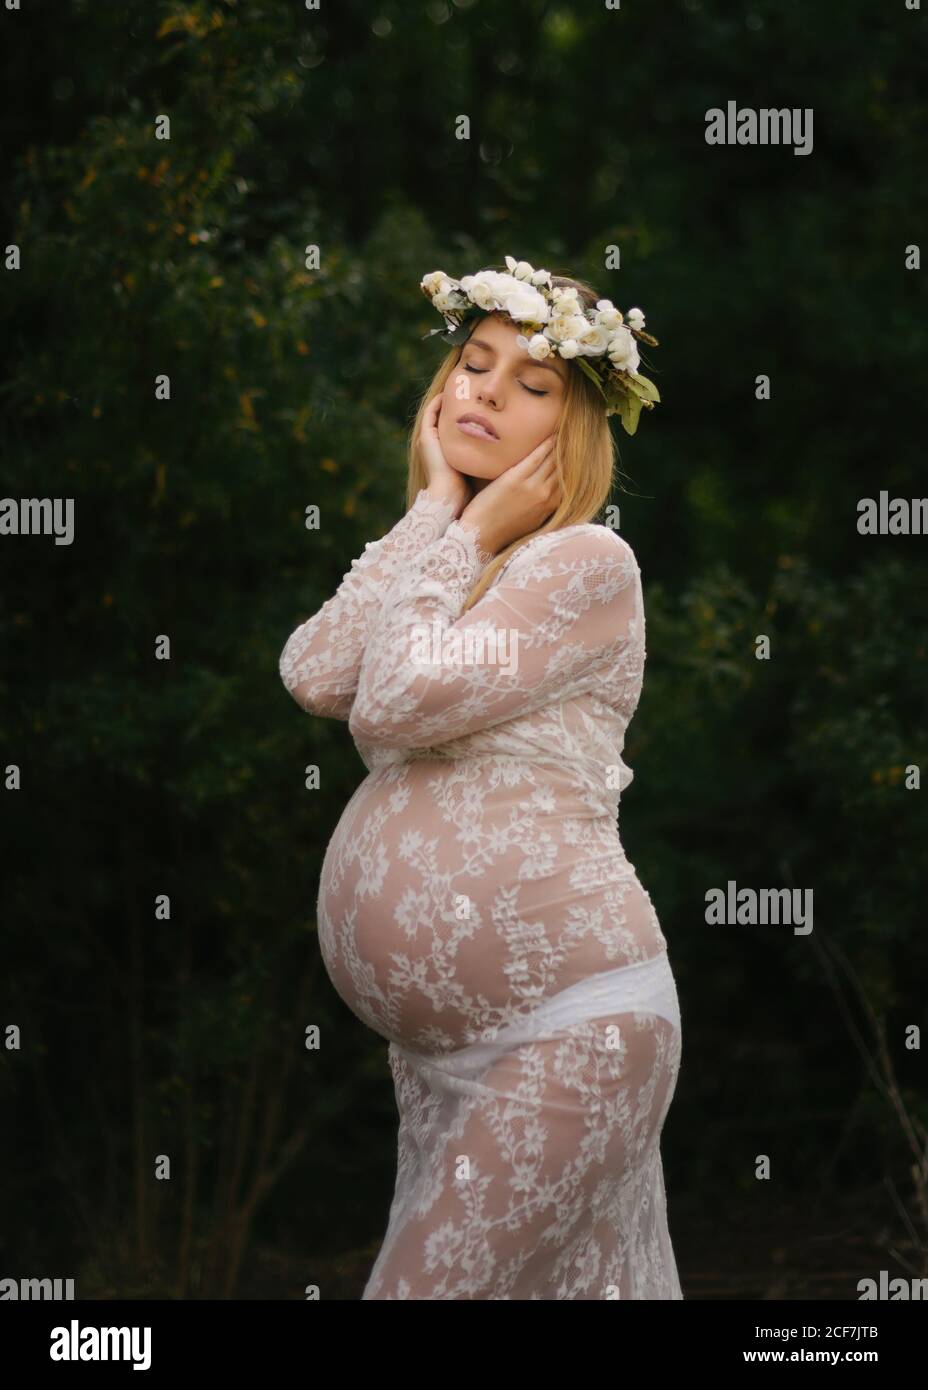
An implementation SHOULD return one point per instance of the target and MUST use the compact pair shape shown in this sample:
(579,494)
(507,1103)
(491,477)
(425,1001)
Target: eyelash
(480,370)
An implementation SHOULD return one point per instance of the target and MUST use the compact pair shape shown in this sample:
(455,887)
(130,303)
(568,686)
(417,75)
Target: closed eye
(481,370)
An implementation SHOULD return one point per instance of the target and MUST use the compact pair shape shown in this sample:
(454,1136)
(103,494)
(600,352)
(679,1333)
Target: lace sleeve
(320,660)
(563,614)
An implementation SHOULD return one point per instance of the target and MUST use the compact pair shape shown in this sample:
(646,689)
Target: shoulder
(585,543)
(603,540)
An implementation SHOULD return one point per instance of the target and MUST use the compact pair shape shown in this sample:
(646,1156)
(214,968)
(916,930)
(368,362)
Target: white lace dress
(476,909)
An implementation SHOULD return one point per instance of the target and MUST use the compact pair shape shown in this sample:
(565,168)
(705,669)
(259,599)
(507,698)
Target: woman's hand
(444,482)
(518,501)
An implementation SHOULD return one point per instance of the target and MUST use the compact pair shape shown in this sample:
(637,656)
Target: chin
(479,470)
(467,461)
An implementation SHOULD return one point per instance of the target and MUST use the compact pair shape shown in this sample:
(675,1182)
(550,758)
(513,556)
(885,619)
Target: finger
(543,464)
(538,455)
(548,469)
(546,466)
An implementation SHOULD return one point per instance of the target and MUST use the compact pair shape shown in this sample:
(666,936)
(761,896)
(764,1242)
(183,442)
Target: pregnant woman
(476,907)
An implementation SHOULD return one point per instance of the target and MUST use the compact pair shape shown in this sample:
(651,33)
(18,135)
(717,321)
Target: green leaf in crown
(644,389)
(455,333)
(591,372)
(631,413)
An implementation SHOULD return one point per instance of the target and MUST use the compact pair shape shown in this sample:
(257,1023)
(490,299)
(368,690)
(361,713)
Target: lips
(478,426)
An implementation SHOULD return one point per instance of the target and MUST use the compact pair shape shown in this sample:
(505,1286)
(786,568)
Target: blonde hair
(584,450)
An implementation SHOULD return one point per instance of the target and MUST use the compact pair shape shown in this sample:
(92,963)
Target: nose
(487,392)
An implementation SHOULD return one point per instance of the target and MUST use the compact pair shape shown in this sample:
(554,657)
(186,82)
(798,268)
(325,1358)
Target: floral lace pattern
(476,909)
(319,664)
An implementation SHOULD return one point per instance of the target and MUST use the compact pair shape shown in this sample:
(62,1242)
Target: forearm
(564,610)
(320,661)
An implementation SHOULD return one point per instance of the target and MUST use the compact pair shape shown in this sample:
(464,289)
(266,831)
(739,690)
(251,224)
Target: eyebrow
(533,361)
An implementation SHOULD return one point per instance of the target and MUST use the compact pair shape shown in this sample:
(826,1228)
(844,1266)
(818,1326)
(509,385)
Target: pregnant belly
(454,896)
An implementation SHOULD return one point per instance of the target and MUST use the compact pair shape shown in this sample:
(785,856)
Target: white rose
(608,315)
(537,346)
(480,290)
(568,348)
(563,326)
(446,303)
(636,318)
(623,350)
(521,270)
(526,303)
(541,277)
(432,282)
(594,339)
(566,301)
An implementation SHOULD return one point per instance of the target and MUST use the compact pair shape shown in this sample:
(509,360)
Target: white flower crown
(557,323)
